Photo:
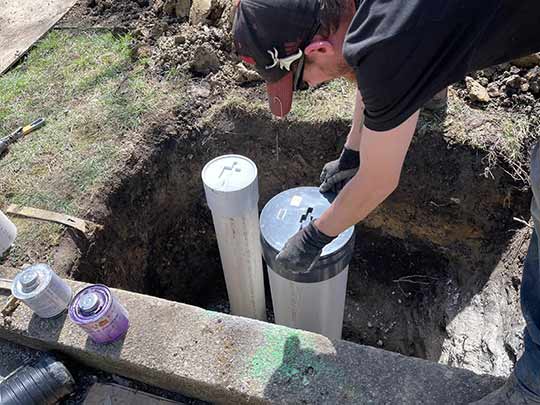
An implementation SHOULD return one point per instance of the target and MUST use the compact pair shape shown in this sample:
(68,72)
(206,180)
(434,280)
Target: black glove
(303,249)
(337,173)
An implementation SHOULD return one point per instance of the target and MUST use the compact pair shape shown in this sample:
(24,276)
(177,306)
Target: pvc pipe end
(230,185)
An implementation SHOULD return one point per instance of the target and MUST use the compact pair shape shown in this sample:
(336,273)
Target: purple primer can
(99,313)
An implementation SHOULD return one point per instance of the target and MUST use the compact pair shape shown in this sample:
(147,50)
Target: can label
(47,295)
(50,303)
(108,323)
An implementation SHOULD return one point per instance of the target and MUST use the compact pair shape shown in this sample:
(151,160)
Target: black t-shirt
(405,51)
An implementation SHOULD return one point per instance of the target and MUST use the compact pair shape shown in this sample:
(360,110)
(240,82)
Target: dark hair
(332,11)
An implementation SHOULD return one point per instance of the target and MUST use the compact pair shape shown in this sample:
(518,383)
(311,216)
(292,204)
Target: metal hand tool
(19,133)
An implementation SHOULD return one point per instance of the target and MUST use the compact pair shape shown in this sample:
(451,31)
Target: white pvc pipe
(315,307)
(8,233)
(232,193)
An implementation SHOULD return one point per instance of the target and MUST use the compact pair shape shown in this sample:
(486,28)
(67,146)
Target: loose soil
(436,269)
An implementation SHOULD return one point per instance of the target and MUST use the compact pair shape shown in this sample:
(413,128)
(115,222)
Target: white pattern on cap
(283,63)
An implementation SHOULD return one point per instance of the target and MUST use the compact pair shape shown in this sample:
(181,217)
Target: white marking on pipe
(296,201)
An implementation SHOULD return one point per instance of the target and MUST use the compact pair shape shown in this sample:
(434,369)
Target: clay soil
(436,270)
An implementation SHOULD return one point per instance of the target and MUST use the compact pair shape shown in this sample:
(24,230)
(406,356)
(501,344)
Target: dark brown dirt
(105,13)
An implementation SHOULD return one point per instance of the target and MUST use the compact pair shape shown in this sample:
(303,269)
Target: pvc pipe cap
(286,214)
(230,185)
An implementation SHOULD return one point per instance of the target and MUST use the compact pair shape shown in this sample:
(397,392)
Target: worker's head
(293,43)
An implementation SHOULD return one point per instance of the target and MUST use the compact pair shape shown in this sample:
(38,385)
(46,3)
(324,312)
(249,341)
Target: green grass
(94,99)
(505,137)
(332,101)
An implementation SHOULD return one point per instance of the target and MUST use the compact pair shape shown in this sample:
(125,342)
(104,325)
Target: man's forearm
(355,134)
(355,201)
(382,156)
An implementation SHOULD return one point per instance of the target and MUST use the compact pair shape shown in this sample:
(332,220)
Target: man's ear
(320,47)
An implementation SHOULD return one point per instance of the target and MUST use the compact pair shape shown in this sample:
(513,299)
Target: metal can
(96,310)
(46,294)
(8,233)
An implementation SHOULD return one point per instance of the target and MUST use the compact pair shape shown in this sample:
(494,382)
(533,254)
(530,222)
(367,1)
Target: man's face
(323,64)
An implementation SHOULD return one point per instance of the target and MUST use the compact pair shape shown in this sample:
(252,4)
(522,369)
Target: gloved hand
(337,173)
(303,249)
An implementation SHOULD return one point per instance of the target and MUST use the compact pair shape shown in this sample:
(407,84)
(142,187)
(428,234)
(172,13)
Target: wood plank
(104,394)
(23,22)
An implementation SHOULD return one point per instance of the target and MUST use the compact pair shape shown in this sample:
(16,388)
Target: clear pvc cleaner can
(46,294)
(99,313)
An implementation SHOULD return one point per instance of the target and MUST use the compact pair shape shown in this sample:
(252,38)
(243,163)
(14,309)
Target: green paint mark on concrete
(270,356)
(286,356)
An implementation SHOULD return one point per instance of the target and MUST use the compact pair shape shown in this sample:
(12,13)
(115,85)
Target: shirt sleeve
(399,74)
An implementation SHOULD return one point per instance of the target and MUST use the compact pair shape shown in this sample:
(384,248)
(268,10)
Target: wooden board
(5,284)
(109,394)
(23,22)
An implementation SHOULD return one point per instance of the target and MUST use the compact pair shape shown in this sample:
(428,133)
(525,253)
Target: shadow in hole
(113,349)
(48,329)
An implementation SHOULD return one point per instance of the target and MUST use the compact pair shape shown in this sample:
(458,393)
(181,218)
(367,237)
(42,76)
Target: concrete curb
(231,360)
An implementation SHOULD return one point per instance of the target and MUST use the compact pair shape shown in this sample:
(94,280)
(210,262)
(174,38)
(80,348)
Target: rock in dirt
(533,77)
(157,29)
(204,60)
(212,12)
(201,90)
(528,61)
(477,92)
(514,81)
(174,8)
(493,90)
(200,10)
(245,75)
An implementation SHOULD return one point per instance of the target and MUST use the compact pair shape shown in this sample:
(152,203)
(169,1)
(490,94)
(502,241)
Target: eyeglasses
(299,84)
(298,79)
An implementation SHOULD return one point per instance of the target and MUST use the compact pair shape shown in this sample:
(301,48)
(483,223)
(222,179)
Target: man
(400,53)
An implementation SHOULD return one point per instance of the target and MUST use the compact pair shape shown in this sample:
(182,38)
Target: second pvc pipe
(232,193)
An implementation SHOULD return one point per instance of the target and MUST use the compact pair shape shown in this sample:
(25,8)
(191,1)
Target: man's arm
(337,173)
(381,155)
(353,139)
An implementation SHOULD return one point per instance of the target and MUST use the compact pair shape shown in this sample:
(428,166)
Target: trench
(435,273)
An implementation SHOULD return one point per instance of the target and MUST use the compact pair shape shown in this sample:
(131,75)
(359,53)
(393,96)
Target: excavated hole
(432,253)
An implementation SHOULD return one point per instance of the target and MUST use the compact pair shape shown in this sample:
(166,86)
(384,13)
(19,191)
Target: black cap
(272,34)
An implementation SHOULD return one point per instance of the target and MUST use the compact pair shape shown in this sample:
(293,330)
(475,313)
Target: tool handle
(33,126)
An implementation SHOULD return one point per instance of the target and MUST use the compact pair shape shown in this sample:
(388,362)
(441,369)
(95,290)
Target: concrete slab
(23,22)
(114,394)
(232,360)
